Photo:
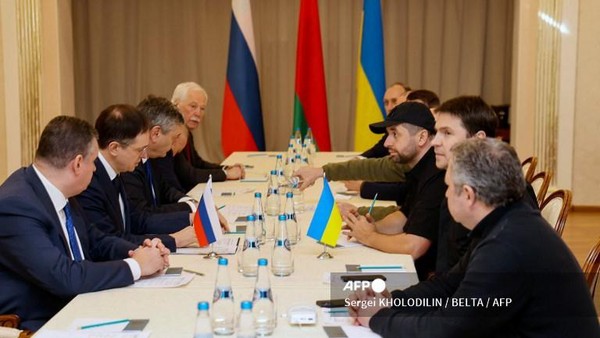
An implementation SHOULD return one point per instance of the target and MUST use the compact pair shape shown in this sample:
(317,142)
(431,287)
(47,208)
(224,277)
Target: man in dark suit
(146,189)
(48,252)
(191,101)
(123,138)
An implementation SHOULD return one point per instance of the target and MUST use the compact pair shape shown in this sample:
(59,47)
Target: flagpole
(212,254)
(324,255)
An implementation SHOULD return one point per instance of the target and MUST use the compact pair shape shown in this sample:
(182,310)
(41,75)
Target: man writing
(515,255)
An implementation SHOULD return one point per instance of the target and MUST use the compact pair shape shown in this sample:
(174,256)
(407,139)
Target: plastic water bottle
(288,169)
(223,307)
(273,205)
(279,169)
(309,140)
(259,218)
(246,321)
(203,329)
(298,194)
(305,156)
(282,261)
(290,218)
(265,318)
(298,140)
(251,252)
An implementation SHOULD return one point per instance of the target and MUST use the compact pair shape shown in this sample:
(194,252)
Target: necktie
(150,181)
(118,184)
(71,234)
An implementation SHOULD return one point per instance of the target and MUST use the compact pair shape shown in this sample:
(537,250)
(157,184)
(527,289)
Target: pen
(257,154)
(104,324)
(373,203)
(194,272)
(247,166)
(221,207)
(382,267)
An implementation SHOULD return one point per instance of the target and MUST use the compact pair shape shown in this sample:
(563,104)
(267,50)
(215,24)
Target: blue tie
(151,181)
(71,232)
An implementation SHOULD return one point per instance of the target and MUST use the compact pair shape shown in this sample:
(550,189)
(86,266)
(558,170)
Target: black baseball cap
(414,113)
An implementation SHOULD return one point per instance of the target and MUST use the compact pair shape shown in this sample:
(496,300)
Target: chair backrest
(540,183)
(591,268)
(555,209)
(529,168)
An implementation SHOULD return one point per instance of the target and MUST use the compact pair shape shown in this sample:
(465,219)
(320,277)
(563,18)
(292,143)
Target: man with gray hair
(191,100)
(518,279)
(146,189)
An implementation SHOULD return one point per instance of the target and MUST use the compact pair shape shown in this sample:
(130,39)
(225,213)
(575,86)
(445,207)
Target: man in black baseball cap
(413,229)
(414,113)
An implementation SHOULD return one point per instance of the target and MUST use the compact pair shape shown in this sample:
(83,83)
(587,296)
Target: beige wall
(3,168)
(586,147)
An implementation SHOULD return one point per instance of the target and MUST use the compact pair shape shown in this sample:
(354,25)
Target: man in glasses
(123,137)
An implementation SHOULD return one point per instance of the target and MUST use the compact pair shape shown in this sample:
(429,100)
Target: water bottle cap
(262,262)
(273,172)
(246,305)
(298,156)
(223,261)
(289,194)
(304,145)
(257,194)
(250,218)
(282,217)
(279,156)
(203,306)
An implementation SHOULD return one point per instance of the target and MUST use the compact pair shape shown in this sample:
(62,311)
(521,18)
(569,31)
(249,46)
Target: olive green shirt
(383,169)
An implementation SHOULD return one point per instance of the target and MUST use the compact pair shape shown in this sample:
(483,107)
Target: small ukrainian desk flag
(326,224)
(206,221)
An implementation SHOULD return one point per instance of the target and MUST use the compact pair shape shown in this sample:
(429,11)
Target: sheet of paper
(224,246)
(359,331)
(163,281)
(233,211)
(255,177)
(344,242)
(342,197)
(82,334)
(74,331)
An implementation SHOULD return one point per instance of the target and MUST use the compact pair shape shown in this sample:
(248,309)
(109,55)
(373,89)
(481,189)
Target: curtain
(125,50)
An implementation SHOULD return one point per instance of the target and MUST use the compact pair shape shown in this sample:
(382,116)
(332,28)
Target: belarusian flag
(310,101)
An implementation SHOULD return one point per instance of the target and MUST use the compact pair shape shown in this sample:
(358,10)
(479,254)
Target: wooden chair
(529,167)
(555,209)
(540,183)
(591,268)
(9,327)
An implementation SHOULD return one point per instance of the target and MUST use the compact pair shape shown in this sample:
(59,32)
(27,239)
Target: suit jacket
(100,201)
(191,169)
(37,275)
(165,167)
(139,192)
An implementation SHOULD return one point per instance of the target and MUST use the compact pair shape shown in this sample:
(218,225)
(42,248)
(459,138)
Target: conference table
(172,311)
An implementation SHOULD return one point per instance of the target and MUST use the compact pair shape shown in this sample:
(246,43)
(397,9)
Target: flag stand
(324,254)
(212,254)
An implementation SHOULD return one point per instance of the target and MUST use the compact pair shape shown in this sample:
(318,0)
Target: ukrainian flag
(326,224)
(370,77)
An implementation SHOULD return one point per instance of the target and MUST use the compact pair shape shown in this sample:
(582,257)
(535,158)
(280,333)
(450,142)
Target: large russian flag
(310,101)
(206,221)
(370,76)
(326,224)
(242,124)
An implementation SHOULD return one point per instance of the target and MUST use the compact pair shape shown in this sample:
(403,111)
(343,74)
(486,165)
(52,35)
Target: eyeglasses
(138,150)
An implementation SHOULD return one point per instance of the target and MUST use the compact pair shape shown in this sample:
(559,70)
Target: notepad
(224,246)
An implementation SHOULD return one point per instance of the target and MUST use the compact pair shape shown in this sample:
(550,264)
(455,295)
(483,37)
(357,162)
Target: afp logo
(356,284)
